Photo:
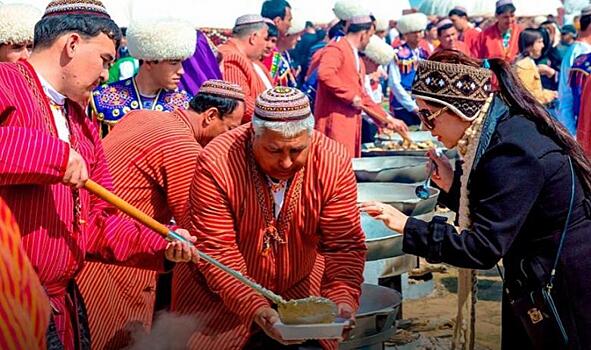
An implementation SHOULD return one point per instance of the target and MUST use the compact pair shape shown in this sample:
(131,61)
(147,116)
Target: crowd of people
(245,150)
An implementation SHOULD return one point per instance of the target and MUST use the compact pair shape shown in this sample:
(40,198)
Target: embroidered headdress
(161,40)
(76,7)
(282,104)
(17,23)
(462,88)
(222,89)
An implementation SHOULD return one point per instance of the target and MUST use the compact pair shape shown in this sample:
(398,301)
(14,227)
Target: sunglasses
(428,118)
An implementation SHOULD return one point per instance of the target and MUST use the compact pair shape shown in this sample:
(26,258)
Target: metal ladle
(309,310)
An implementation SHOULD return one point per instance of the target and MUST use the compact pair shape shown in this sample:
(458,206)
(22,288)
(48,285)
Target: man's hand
(76,172)
(177,251)
(345,311)
(357,102)
(266,318)
(398,126)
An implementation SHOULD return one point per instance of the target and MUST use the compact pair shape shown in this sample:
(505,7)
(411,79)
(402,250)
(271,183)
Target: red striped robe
(32,164)
(339,82)
(151,156)
(239,69)
(324,252)
(24,308)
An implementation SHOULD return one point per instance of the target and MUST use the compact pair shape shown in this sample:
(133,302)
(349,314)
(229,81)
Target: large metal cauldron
(390,169)
(400,196)
(382,242)
(374,319)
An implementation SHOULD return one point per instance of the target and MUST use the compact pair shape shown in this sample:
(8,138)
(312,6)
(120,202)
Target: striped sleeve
(115,239)
(212,216)
(342,241)
(30,156)
(24,308)
(234,72)
(328,73)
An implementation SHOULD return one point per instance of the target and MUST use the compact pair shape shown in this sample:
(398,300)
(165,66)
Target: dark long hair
(528,38)
(521,101)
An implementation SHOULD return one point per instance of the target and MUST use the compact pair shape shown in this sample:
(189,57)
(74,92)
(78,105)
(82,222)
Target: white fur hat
(382,24)
(297,24)
(345,9)
(379,51)
(413,22)
(161,40)
(17,23)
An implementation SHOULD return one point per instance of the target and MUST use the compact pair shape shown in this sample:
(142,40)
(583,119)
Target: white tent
(387,9)
(574,7)
(532,8)
(439,8)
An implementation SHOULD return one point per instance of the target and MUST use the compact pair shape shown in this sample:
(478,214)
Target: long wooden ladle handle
(148,221)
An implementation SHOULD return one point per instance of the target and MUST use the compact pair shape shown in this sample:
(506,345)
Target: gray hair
(286,129)
(242,31)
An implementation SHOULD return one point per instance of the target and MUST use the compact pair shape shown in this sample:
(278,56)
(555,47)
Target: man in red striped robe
(241,59)
(24,308)
(275,200)
(49,148)
(152,157)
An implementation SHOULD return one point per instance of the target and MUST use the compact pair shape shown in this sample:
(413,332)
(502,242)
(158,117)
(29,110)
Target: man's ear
(72,44)
(276,21)
(210,115)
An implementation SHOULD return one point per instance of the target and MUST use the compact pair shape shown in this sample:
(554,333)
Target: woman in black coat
(512,192)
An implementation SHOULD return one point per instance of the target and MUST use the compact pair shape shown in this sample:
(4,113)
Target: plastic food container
(312,331)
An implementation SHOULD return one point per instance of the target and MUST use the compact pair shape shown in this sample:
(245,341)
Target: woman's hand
(392,217)
(443,175)
(546,70)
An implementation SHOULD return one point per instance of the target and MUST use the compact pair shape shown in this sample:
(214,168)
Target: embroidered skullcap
(364,19)
(161,40)
(221,88)
(586,11)
(462,88)
(76,7)
(17,23)
(414,22)
(379,51)
(460,8)
(444,22)
(249,19)
(268,21)
(346,9)
(503,3)
(282,104)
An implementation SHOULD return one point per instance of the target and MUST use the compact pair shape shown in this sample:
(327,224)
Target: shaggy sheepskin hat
(17,23)
(413,22)
(345,9)
(379,51)
(161,40)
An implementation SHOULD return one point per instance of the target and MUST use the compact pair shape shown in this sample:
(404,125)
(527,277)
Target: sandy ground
(430,320)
